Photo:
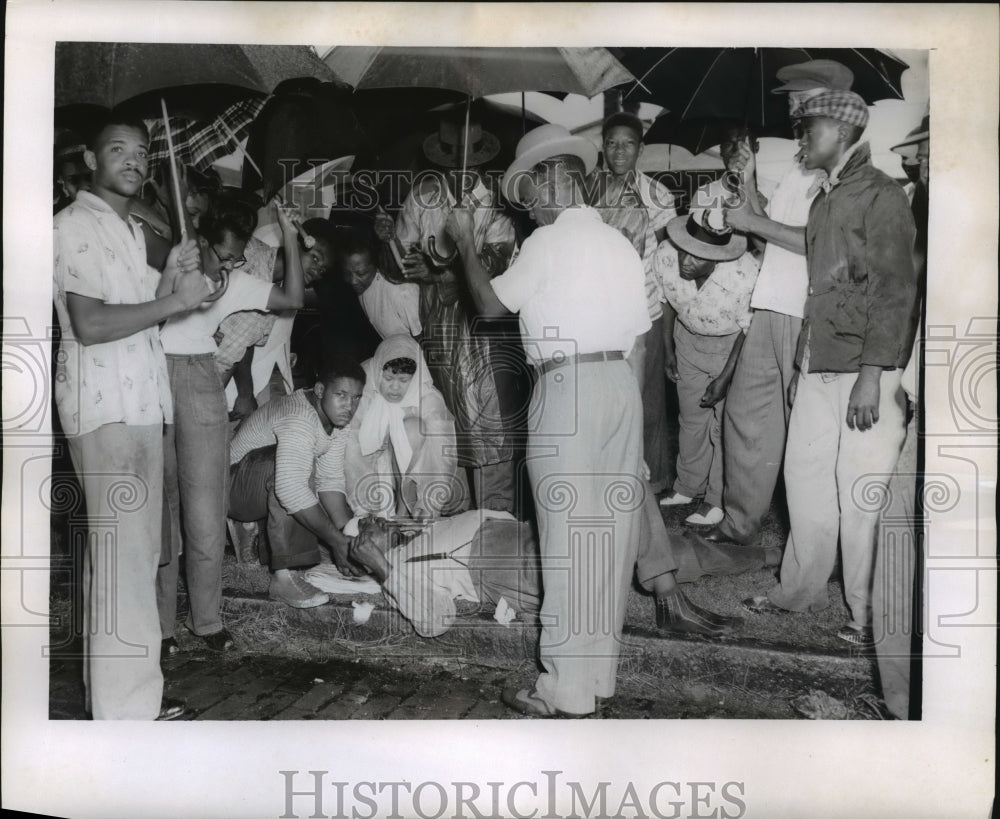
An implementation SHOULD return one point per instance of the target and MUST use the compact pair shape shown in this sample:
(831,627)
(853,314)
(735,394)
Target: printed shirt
(784,278)
(658,204)
(247,328)
(861,306)
(99,255)
(304,448)
(427,207)
(425,592)
(578,286)
(721,306)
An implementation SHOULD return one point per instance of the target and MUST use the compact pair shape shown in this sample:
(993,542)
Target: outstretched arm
(459,227)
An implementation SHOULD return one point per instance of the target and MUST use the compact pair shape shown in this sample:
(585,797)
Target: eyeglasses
(232,264)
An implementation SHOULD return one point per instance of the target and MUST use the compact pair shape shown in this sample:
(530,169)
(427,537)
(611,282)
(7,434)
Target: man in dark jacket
(848,419)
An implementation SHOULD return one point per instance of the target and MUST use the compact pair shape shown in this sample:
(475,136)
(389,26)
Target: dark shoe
(762,605)
(674,612)
(169,647)
(717,535)
(526,701)
(171,709)
(219,641)
(860,637)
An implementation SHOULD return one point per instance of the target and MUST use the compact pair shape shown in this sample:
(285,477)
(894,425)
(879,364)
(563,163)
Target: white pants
(835,479)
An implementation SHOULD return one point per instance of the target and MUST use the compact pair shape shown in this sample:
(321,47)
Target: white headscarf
(382,416)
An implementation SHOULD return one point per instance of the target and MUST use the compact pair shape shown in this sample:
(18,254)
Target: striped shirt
(304,449)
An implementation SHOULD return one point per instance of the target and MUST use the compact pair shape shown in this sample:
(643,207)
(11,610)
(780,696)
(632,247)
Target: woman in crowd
(402,458)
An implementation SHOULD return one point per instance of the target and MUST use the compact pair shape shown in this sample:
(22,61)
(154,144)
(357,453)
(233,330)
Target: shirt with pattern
(247,328)
(304,448)
(721,306)
(99,255)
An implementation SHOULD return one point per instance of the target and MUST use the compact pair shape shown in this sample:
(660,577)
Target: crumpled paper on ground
(504,614)
(362,611)
(820,705)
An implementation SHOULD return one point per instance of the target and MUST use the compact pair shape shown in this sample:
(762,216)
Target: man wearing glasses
(196,444)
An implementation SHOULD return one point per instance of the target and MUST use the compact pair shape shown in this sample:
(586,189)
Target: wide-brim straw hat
(444,148)
(693,235)
(922,132)
(545,142)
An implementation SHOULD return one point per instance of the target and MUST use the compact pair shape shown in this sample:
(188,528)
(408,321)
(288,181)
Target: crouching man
(287,466)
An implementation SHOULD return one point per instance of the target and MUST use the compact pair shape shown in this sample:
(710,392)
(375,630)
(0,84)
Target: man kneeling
(287,465)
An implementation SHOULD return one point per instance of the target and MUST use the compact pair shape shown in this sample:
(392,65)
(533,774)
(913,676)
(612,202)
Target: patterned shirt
(304,449)
(247,328)
(642,192)
(99,255)
(721,306)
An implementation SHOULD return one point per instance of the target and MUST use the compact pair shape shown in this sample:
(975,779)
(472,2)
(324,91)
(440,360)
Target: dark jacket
(861,306)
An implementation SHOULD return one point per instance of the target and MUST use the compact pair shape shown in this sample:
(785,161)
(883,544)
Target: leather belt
(581,358)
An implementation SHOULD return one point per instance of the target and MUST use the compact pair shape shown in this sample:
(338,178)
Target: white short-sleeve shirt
(579,287)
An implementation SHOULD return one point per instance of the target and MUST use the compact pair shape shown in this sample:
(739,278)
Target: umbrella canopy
(109,74)
(479,71)
(736,83)
(698,135)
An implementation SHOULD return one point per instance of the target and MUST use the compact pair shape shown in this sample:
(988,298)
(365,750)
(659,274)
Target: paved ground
(243,686)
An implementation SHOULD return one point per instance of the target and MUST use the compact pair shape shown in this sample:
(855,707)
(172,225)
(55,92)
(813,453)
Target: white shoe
(714,516)
(675,499)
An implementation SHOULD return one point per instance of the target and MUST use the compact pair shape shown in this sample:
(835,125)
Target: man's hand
(670,364)
(285,219)
(459,224)
(342,559)
(738,214)
(183,258)
(191,289)
(243,407)
(385,227)
(416,268)
(745,160)
(862,406)
(715,393)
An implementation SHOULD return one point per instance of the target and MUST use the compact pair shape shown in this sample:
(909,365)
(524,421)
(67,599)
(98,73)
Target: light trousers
(121,470)
(836,484)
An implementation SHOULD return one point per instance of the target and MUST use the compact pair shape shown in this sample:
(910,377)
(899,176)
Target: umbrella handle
(221,290)
(437,258)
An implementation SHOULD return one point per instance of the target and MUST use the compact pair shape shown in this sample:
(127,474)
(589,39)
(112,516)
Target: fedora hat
(915,137)
(444,148)
(694,235)
(545,142)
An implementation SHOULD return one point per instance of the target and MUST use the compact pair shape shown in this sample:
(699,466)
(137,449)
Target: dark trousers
(252,497)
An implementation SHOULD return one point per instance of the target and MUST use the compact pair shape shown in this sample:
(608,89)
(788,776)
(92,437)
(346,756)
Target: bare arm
(96,322)
(317,520)
(717,390)
(290,294)
(459,227)
(669,352)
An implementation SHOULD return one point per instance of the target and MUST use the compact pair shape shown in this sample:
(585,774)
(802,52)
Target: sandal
(863,637)
(762,605)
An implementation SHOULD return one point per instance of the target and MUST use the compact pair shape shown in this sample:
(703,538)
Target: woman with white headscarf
(402,458)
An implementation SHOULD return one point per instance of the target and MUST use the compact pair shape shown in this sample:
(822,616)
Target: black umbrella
(736,83)
(697,135)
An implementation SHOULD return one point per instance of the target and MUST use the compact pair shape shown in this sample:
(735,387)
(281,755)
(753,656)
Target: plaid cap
(845,106)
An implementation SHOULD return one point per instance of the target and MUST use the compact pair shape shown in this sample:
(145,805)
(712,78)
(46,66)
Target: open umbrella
(697,135)
(110,74)
(477,72)
(736,83)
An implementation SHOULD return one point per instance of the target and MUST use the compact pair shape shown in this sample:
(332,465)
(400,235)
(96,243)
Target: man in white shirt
(584,453)
(393,309)
(113,397)
(756,419)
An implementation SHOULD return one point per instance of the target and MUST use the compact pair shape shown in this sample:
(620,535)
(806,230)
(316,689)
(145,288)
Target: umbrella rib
(704,79)
(649,71)
(885,79)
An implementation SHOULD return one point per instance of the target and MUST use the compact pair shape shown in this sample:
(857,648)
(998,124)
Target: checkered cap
(845,106)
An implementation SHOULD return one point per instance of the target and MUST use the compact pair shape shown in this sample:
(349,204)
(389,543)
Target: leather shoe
(171,709)
(674,612)
(220,640)
(716,535)
(526,701)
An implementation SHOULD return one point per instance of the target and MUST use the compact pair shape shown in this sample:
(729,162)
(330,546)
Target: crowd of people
(484,421)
